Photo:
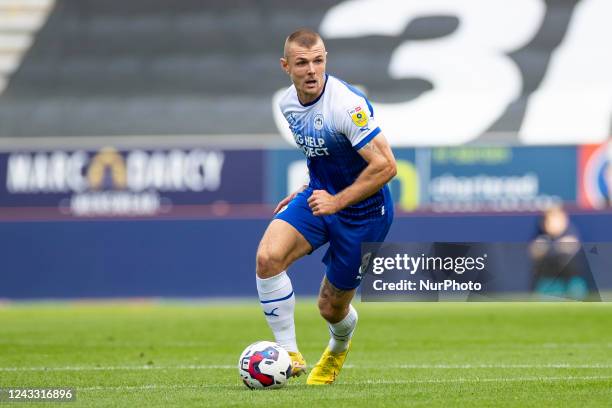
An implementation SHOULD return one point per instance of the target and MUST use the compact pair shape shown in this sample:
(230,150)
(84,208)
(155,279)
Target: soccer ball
(264,365)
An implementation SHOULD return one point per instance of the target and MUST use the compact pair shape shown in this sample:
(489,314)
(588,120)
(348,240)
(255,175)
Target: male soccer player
(345,203)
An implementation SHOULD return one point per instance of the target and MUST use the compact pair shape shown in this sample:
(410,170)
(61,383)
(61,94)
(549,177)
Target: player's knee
(331,311)
(269,264)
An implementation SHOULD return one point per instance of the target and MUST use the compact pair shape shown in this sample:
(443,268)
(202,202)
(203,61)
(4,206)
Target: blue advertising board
(216,258)
(501,178)
(65,231)
(118,183)
(458,178)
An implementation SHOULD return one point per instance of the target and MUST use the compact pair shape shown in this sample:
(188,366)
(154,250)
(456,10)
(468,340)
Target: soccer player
(345,203)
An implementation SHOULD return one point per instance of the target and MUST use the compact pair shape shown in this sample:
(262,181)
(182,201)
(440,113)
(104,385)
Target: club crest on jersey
(318,121)
(358,116)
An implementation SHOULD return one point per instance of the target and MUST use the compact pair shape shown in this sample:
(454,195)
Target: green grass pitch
(425,354)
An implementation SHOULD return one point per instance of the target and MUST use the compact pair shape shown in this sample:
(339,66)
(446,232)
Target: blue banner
(500,178)
(457,179)
(118,183)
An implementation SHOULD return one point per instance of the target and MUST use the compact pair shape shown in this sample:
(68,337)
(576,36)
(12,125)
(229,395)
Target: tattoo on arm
(372,147)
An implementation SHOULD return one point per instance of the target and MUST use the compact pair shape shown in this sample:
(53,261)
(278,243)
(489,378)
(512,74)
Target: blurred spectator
(557,268)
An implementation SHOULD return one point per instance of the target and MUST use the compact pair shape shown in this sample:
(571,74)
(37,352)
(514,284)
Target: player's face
(306,67)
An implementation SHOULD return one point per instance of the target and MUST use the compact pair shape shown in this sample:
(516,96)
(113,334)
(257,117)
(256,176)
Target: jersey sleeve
(355,119)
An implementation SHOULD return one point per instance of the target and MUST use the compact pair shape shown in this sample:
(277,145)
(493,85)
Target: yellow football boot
(327,368)
(298,364)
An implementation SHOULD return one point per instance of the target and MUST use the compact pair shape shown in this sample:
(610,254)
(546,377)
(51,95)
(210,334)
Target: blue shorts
(343,258)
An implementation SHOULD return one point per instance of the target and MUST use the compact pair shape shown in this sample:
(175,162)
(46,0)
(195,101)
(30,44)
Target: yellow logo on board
(107,164)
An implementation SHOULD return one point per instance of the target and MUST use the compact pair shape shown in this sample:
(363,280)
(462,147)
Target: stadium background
(141,155)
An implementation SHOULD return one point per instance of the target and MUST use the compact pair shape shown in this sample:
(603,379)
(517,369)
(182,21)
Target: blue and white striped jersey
(329,131)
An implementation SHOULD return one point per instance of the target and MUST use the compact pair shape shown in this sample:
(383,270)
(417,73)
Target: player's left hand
(323,203)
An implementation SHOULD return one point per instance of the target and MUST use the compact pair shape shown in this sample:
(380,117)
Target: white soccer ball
(264,365)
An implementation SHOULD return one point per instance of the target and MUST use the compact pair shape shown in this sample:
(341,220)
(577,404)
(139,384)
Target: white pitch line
(150,387)
(368,382)
(190,344)
(348,366)
(127,344)
(124,368)
(501,366)
(477,379)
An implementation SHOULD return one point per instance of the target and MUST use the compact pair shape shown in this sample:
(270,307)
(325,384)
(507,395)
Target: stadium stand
(19,22)
(192,68)
(103,68)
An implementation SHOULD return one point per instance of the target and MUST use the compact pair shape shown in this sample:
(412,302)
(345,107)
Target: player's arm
(380,170)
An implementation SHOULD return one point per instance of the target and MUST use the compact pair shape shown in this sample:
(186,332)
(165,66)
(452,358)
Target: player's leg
(342,277)
(293,233)
(280,246)
(335,307)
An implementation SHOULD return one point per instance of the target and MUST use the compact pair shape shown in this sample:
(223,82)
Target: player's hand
(288,199)
(284,202)
(323,203)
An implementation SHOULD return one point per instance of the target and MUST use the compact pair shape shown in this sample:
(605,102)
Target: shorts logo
(358,116)
(365,262)
(318,121)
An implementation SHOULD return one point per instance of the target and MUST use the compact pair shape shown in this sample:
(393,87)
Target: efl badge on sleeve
(358,116)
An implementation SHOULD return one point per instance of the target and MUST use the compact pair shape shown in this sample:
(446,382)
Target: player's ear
(284,65)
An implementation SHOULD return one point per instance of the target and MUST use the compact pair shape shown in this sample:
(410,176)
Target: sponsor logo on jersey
(358,116)
(291,118)
(311,146)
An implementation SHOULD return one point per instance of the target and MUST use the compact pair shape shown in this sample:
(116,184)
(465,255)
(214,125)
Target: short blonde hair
(304,37)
